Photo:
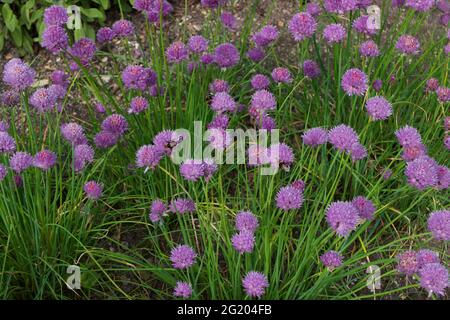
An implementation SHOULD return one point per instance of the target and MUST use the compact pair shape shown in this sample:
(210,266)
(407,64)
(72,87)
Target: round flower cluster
(302,26)
(354,82)
(378,108)
(182,257)
(344,138)
(266,36)
(342,217)
(334,33)
(255,284)
(289,197)
(193,170)
(244,240)
(331,259)
(432,274)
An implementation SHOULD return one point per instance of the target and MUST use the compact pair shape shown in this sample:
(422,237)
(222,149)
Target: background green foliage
(21,20)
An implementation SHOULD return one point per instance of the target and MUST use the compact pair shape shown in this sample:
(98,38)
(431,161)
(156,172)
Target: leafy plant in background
(21,22)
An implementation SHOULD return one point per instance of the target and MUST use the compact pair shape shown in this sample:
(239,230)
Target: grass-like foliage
(365,189)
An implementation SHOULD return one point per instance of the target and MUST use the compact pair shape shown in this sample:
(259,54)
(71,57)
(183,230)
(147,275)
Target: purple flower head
(105,139)
(443,177)
(93,190)
(340,6)
(149,156)
(7,143)
(267,123)
(343,137)
(182,290)
(157,210)
(228,20)
(138,104)
(182,206)
(73,133)
(246,221)
(105,34)
(243,242)
(44,159)
(439,224)
(432,85)
(207,59)
(311,69)
(379,108)
(365,207)
(83,155)
(55,15)
(398,3)
(262,101)
(55,39)
(18,74)
(288,198)
(198,44)
(281,154)
(167,140)
(408,44)
(219,122)
(281,75)
(425,256)
(255,284)
(4,126)
(192,170)
(259,82)
(447,142)
(408,136)
(3,172)
(377,85)
(137,77)
(116,124)
(447,46)
(20,161)
(222,102)
(302,26)
(182,257)
(362,4)
(313,9)
(10,98)
(443,94)
(256,54)
(369,49)
(434,278)
(343,217)
(422,173)
(61,78)
(84,49)
(226,55)
(213,4)
(444,6)
(354,82)
(420,5)
(411,153)
(407,262)
(334,33)
(43,99)
(315,137)
(219,85)
(267,35)
(358,152)
(122,28)
(362,25)
(177,52)
(299,184)
(331,259)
